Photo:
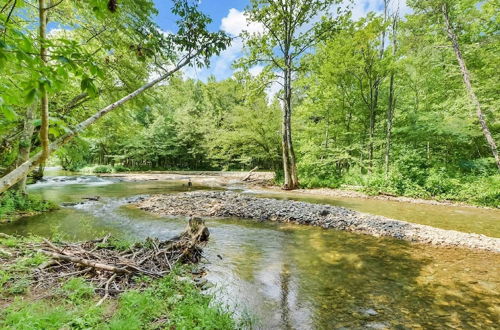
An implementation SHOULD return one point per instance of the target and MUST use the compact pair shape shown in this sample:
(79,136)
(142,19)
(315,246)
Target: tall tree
(288,33)
(449,12)
(43,8)
(192,45)
(391,102)
(445,10)
(25,145)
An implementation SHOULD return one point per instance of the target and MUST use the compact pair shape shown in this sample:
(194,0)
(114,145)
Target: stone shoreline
(231,204)
(264,181)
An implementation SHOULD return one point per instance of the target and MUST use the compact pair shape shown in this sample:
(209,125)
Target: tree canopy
(379,101)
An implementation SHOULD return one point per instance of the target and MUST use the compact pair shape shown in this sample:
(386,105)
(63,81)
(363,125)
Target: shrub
(440,183)
(481,191)
(103,169)
(318,173)
(121,168)
(12,202)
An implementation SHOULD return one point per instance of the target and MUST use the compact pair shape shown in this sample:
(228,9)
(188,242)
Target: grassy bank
(173,301)
(481,190)
(14,204)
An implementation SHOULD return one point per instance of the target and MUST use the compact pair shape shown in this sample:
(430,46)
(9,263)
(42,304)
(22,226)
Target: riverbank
(14,205)
(264,181)
(208,178)
(64,300)
(230,204)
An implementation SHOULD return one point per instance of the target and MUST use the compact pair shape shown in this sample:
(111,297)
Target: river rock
(232,204)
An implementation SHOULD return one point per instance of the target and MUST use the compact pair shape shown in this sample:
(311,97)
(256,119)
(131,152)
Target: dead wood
(112,269)
(85,262)
(249,175)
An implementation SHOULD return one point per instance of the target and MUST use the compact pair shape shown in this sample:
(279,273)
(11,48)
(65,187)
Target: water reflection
(298,277)
(312,278)
(467,219)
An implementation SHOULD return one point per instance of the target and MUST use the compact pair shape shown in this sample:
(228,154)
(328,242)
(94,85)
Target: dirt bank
(230,204)
(264,181)
(209,178)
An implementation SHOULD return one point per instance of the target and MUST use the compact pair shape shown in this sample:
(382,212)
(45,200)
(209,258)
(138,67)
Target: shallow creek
(288,276)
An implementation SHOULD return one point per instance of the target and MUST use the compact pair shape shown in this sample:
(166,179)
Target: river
(299,277)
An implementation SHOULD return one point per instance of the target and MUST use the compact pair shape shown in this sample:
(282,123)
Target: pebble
(232,204)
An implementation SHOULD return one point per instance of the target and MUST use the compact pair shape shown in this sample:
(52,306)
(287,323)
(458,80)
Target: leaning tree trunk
(18,173)
(25,146)
(44,101)
(468,85)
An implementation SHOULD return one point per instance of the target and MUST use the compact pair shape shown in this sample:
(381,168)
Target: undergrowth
(13,203)
(171,302)
(417,181)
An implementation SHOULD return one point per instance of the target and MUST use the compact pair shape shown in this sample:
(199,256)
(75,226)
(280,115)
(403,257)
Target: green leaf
(54,131)
(88,86)
(63,59)
(30,97)
(3,60)
(8,112)
(44,82)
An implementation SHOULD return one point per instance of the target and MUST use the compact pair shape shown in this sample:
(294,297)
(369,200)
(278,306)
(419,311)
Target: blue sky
(228,16)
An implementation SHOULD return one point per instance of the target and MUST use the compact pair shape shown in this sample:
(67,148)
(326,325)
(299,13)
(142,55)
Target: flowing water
(299,277)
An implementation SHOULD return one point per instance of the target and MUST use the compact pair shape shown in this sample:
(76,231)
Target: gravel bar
(231,204)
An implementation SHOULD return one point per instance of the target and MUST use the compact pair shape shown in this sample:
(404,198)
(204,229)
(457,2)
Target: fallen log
(86,262)
(249,175)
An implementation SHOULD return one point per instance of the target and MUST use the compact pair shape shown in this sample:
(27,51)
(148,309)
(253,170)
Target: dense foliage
(14,204)
(379,102)
(187,125)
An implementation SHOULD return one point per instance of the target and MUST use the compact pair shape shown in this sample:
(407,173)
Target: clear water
(299,277)
(484,221)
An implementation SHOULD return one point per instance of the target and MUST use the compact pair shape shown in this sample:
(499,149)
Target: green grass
(475,189)
(167,303)
(13,204)
(172,302)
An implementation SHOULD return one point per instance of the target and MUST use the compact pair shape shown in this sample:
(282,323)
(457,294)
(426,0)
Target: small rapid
(290,276)
(89,180)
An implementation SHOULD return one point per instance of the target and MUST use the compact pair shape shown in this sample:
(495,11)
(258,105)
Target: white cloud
(256,70)
(57,33)
(220,66)
(273,90)
(363,7)
(236,22)
(226,58)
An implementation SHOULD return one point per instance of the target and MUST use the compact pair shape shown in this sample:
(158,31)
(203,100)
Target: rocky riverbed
(231,204)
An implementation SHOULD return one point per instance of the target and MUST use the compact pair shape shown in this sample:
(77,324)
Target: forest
(331,164)
(378,102)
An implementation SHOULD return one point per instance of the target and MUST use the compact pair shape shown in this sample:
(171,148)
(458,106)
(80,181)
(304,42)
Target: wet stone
(232,204)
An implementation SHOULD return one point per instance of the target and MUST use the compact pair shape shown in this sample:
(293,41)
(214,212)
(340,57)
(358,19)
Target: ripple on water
(302,277)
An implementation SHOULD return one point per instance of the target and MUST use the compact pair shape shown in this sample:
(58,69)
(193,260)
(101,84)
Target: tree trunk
(44,102)
(25,146)
(289,166)
(468,85)
(390,116)
(391,101)
(18,173)
(371,131)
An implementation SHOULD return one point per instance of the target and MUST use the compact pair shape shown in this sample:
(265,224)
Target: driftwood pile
(113,270)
